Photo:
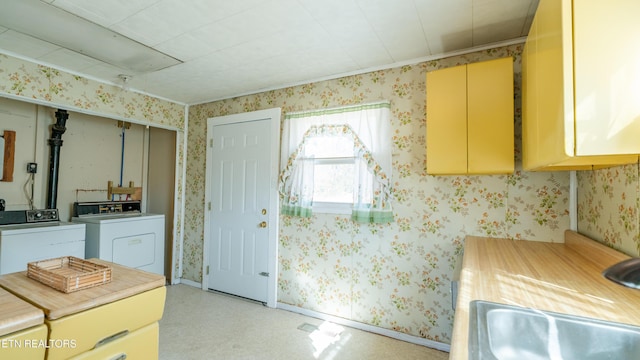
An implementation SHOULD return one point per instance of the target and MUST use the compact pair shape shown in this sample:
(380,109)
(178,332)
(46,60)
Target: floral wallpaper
(608,203)
(30,82)
(33,81)
(395,276)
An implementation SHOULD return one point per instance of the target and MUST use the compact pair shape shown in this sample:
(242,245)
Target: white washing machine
(27,242)
(132,239)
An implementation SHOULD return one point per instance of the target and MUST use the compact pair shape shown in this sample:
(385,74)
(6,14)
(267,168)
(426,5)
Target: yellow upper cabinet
(470,119)
(581,85)
(447,121)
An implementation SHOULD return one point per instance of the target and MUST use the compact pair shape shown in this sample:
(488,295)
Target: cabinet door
(447,121)
(529,101)
(554,95)
(568,74)
(24,344)
(607,76)
(490,117)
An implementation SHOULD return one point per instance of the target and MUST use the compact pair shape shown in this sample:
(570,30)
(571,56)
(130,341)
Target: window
(338,160)
(333,173)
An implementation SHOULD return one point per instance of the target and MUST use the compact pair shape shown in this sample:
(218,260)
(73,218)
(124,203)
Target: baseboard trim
(190,283)
(366,327)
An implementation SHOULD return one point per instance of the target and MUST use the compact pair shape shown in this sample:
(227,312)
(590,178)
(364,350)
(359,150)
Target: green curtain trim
(366,216)
(295,211)
(339,110)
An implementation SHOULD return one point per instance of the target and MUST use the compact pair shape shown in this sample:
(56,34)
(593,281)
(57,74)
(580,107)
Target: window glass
(333,182)
(333,169)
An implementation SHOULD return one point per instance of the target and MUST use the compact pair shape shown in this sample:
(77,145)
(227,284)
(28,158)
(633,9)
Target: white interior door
(242,221)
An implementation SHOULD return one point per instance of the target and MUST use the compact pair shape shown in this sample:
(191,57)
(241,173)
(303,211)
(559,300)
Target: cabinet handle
(111,338)
(122,356)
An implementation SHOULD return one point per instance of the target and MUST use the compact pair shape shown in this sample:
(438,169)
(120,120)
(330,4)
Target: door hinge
(207,269)
(210,142)
(265,274)
(209,205)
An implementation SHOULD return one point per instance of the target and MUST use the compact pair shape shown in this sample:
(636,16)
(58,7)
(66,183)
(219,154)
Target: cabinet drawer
(28,344)
(88,328)
(141,344)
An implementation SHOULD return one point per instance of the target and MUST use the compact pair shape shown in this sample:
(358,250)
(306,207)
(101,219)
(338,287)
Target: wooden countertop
(17,314)
(125,282)
(560,277)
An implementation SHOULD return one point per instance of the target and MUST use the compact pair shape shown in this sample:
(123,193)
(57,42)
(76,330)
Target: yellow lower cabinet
(141,344)
(28,344)
(82,331)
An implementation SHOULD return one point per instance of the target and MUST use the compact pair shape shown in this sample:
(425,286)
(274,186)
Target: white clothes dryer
(131,239)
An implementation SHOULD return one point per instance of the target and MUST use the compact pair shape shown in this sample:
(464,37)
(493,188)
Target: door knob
(263,224)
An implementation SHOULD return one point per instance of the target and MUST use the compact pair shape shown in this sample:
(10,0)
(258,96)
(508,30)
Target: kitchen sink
(504,332)
(625,273)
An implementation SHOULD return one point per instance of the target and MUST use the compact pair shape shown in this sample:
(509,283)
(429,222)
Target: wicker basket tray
(69,273)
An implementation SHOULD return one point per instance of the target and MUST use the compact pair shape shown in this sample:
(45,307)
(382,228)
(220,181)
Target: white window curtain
(369,126)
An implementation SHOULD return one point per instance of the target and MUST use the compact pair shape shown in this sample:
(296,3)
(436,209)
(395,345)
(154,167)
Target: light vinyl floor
(204,325)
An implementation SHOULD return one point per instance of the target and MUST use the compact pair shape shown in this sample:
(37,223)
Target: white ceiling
(227,48)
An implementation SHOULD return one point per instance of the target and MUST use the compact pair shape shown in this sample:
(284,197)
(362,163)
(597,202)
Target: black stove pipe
(55,142)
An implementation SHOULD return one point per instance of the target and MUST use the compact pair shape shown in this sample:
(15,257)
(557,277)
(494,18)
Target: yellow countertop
(560,277)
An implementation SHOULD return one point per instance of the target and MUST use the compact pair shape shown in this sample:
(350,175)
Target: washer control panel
(106,207)
(42,215)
